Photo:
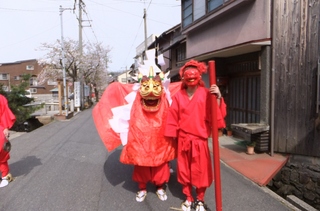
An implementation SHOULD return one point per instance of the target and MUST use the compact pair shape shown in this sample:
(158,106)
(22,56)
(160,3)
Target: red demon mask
(191,76)
(191,73)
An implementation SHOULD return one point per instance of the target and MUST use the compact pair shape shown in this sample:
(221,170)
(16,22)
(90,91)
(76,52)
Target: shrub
(17,103)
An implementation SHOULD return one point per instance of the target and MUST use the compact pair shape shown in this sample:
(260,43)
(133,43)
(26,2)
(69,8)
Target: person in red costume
(189,121)
(147,149)
(145,113)
(7,120)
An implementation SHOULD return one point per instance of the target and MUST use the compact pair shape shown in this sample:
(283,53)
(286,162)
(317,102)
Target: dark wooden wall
(295,43)
(243,98)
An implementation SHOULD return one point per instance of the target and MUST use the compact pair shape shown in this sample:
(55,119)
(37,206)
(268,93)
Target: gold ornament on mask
(151,90)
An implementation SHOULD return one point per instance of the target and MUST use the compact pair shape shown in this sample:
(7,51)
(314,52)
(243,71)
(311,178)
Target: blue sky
(118,24)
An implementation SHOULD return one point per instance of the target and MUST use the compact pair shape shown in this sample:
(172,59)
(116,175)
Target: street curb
(279,198)
(265,189)
(299,203)
(14,134)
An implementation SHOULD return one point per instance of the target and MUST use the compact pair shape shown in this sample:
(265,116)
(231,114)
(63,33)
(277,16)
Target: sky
(117,24)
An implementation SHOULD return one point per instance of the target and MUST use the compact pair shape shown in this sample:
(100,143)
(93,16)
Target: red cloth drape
(112,97)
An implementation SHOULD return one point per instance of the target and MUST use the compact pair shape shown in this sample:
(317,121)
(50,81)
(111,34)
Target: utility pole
(145,30)
(79,75)
(63,64)
(80,28)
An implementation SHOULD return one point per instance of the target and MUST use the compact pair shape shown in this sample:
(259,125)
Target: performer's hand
(214,89)
(6,133)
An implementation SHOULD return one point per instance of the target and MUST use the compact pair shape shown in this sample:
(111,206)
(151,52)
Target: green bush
(18,103)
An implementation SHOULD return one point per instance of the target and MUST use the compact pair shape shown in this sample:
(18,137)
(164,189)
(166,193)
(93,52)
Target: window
(186,13)
(16,78)
(192,10)
(29,67)
(4,76)
(33,81)
(213,4)
(33,90)
(180,54)
(199,8)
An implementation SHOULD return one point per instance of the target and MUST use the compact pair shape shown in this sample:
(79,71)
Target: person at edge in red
(7,120)
(189,121)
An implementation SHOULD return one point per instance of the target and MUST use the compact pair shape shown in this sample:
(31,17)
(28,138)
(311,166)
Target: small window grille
(30,67)
(33,90)
(4,76)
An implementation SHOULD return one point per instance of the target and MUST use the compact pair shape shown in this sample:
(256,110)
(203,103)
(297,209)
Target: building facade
(11,75)
(260,56)
(266,56)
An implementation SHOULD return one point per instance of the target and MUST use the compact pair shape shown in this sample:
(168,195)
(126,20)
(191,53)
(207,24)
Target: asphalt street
(64,166)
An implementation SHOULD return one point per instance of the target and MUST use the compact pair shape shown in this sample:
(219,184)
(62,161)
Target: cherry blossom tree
(91,67)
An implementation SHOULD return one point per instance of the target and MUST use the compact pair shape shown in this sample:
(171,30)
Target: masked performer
(142,121)
(189,121)
(7,120)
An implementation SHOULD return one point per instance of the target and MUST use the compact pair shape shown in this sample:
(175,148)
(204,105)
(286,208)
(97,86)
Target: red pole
(215,142)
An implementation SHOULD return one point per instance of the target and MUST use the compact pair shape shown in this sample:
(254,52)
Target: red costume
(189,120)
(145,147)
(7,119)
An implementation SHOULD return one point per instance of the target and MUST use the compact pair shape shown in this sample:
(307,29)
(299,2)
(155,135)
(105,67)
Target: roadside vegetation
(18,103)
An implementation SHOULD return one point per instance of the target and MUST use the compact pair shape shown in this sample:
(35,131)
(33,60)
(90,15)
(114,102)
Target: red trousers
(4,167)
(194,167)
(158,175)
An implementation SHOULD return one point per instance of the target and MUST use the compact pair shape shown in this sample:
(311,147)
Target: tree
(18,103)
(90,67)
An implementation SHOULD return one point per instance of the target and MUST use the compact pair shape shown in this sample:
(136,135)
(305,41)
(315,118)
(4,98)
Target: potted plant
(250,147)
(229,130)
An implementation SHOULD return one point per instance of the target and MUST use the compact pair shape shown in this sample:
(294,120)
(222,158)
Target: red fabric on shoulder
(174,87)
(112,97)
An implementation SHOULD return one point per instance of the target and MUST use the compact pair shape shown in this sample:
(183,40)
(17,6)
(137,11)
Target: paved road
(64,166)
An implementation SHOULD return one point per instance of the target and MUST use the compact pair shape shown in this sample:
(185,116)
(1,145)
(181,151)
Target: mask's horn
(151,72)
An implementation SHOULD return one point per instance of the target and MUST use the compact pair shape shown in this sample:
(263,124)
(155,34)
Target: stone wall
(299,177)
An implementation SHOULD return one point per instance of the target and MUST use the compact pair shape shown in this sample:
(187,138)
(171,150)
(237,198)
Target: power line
(24,10)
